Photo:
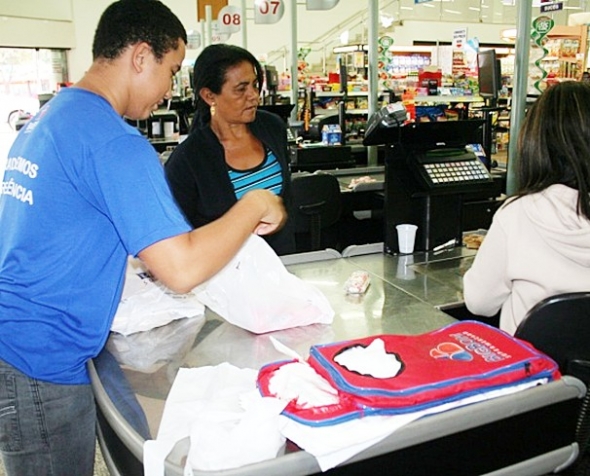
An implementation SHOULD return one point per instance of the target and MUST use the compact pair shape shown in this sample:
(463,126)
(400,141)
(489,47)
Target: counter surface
(402,298)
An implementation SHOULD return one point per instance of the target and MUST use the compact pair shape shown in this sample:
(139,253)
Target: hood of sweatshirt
(553,213)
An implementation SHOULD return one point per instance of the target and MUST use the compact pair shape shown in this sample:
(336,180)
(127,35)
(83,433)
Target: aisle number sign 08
(229,20)
(267,12)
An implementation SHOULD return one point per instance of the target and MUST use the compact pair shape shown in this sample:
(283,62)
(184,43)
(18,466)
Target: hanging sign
(321,4)
(267,12)
(551,7)
(194,40)
(541,27)
(229,19)
(216,35)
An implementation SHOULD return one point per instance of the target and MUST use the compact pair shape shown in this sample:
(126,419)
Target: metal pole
(294,60)
(209,22)
(204,40)
(373,33)
(519,90)
(244,26)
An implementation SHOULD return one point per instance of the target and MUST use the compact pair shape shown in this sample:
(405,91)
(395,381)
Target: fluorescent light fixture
(429,5)
(475,9)
(454,12)
(406,8)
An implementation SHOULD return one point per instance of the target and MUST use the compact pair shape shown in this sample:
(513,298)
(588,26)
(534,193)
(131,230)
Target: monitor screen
(271,77)
(489,75)
(422,136)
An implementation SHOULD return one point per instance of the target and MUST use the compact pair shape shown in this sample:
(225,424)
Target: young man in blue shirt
(82,191)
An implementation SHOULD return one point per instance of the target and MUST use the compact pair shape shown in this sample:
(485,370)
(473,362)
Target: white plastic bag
(146,303)
(256,292)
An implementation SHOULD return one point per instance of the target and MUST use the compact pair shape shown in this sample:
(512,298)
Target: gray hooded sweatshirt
(536,247)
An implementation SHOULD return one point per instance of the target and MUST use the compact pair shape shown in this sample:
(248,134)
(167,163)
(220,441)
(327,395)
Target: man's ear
(207,95)
(139,55)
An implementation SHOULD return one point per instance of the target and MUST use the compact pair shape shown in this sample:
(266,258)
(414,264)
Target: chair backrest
(316,205)
(560,327)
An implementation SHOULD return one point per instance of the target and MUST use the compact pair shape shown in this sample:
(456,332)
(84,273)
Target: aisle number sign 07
(267,12)
(229,20)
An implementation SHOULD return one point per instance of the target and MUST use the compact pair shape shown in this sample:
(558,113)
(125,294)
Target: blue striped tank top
(267,175)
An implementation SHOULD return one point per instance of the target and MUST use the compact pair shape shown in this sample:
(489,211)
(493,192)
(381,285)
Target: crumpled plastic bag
(148,351)
(229,423)
(146,303)
(256,292)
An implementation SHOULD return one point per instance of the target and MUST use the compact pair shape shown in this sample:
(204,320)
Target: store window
(28,75)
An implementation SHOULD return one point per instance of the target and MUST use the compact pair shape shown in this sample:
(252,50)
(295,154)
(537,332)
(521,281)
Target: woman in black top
(232,146)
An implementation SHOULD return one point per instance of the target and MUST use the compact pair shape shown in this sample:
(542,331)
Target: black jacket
(198,175)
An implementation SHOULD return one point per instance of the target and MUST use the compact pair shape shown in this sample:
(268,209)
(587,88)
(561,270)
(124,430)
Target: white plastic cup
(406,236)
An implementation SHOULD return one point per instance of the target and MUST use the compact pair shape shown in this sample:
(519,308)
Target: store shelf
(447,99)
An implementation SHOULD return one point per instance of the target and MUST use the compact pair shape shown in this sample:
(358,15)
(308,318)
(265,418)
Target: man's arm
(184,261)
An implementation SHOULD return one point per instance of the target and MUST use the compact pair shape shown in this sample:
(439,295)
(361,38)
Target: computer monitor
(271,78)
(489,75)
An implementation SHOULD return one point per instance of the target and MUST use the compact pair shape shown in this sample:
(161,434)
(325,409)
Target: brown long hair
(554,143)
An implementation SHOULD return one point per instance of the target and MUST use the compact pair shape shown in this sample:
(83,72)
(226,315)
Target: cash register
(430,167)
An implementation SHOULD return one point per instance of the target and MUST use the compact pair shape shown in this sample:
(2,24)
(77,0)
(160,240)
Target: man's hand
(273,212)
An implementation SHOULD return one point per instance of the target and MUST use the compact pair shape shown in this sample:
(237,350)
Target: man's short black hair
(128,22)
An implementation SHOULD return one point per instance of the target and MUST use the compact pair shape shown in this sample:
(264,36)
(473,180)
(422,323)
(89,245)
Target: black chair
(560,327)
(316,209)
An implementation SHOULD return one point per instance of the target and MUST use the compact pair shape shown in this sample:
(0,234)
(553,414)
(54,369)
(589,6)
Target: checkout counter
(527,433)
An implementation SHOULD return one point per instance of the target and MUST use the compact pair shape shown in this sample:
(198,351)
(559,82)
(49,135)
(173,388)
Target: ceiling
(473,11)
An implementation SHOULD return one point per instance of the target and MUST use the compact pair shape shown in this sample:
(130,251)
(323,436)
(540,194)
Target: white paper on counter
(229,423)
(335,444)
(332,445)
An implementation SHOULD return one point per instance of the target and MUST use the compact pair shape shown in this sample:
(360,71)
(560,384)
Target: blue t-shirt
(82,191)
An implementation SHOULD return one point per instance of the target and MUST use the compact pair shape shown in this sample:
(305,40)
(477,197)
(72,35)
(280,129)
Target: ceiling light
(454,12)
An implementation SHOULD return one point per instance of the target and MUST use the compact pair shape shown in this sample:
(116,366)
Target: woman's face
(239,95)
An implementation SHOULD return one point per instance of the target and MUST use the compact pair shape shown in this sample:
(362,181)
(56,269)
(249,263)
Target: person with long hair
(232,146)
(539,242)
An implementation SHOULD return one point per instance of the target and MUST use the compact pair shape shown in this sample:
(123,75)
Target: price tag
(229,19)
(267,12)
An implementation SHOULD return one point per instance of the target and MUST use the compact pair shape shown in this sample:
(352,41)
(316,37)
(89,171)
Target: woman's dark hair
(209,72)
(554,143)
(127,22)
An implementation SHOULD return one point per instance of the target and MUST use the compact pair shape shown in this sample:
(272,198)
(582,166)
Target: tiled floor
(100,468)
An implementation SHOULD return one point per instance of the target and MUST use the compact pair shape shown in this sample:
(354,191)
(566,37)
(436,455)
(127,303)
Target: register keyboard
(451,167)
